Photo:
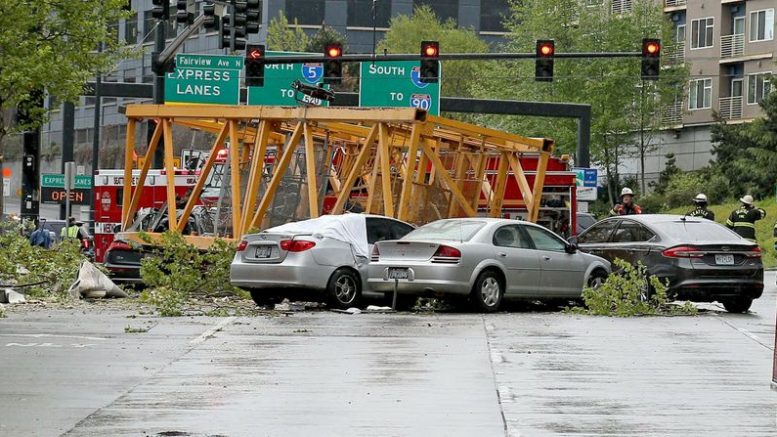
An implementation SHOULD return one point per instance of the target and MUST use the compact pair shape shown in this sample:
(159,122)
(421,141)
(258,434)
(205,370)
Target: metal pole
(95,146)
(394,299)
(68,130)
(159,86)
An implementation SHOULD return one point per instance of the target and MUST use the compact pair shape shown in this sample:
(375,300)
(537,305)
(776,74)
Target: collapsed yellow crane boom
(413,166)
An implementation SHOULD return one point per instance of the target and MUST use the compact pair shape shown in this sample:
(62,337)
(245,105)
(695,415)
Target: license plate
(397,273)
(263,251)
(724,260)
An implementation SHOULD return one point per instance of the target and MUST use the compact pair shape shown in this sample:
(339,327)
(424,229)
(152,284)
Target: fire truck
(109,195)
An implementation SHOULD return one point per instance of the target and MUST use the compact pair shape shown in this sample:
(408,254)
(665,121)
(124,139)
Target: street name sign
(277,90)
(397,84)
(204,79)
(585,180)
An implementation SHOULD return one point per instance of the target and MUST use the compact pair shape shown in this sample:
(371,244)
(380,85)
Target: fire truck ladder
(413,166)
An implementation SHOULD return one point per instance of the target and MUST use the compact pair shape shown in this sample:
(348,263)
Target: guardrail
(732,45)
(730,107)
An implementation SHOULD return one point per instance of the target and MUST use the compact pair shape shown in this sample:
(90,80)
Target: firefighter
(742,220)
(701,208)
(627,205)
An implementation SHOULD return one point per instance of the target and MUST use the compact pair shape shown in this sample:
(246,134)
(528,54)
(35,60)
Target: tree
(325,35)
(622,105)
(50,45)
(747,153)
(406,33)
(281,37)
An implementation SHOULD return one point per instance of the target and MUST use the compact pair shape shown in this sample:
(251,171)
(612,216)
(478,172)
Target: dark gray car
(702,260)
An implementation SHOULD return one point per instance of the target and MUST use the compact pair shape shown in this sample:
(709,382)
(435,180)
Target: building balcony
(676,53)
(732,46)
(731,108)
(673,115)
(675,4)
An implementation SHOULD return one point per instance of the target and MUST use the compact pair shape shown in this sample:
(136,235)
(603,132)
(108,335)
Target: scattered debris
(132,330)
(93,284)
(2,311)
(378,309)
(11,297)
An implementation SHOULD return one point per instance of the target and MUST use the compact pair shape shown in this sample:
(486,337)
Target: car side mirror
(572,240)
(571,248)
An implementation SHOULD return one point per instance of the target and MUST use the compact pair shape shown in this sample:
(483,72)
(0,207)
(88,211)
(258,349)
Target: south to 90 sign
(421,101)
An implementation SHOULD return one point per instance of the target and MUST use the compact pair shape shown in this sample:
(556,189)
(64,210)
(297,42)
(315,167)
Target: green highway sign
(204,79)
(397,84)
(55,180)
(277,90)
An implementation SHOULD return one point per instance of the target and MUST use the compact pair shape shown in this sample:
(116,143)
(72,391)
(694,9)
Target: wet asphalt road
(78,373)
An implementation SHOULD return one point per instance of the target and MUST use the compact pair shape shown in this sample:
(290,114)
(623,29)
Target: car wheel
(488,292)
(597,279)
(345,289)
(738,304)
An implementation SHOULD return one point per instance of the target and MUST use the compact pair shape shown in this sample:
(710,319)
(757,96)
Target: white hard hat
(626,192)
(701,197)
(747,200)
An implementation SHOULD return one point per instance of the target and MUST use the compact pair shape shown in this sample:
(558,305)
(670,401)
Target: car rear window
(450,230)
(696,231)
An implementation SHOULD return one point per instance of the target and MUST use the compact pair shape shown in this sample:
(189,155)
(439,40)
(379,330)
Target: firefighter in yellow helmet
(742,220)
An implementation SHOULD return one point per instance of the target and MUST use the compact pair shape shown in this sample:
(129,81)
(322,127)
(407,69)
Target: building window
(445,9)
(309,12)
(700,94)
(762,25)
(131,30)
(758,87)
(360,13)
(621,6)
(149,22)
(492,15)
(702,33)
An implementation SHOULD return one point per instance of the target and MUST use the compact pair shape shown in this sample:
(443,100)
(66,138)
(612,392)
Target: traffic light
(430,62)
(160,9)
(253,14)
(255,65)
(651,58)
(333,66)
(182,14)
(543,67)
(211,20)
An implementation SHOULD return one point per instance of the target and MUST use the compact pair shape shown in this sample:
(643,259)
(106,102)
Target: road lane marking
(79,337)
(73,345)
(212,331)
(747,333)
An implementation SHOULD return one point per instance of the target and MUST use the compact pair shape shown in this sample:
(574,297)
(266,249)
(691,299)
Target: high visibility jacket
(69,232)
(742,221)
(621,209)
(703,213)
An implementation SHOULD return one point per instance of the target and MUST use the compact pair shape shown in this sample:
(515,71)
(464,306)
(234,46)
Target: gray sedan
(486,260)
(327,254)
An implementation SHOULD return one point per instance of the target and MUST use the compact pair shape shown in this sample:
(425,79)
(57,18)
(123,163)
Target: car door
(562,274)
(513,250)
(629,242)
(596,239)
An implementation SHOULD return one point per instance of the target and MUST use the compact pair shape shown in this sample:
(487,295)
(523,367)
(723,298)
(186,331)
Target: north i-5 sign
(278,78)
(397,84)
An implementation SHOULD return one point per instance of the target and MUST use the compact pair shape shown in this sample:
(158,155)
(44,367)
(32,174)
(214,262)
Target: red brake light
(375,254)
(242,246)
(296,245)
(119,245)
(682,252)
(446,254)
(754,252)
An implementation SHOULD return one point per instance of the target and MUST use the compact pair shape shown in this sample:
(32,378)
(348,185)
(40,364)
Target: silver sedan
(327,254)
(486,260)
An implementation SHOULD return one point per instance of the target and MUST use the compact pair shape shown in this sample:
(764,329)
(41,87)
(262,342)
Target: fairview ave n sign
(204,79)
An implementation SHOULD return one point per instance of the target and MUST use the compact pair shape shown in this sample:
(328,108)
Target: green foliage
(612,87)
(179,270)
(746,153)
(281,37)
(679,190)
(406,33)
(630,292)
(325,35)
(57,268)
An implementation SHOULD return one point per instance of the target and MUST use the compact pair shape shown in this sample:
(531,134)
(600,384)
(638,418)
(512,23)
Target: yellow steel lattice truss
(408,165)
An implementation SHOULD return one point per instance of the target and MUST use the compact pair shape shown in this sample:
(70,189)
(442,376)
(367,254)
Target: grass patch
(764,229)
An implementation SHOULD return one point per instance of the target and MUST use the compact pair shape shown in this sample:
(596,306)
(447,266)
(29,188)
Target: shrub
(630,292)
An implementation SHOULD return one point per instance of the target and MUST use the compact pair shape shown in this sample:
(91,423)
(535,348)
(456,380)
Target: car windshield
(450,230)
(688,231)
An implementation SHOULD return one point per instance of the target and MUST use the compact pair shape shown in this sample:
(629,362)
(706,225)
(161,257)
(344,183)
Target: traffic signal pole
(159,86)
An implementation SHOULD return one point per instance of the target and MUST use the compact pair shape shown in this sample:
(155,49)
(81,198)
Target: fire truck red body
(109,194)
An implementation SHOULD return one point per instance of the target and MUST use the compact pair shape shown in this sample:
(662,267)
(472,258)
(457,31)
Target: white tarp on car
(348,228)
